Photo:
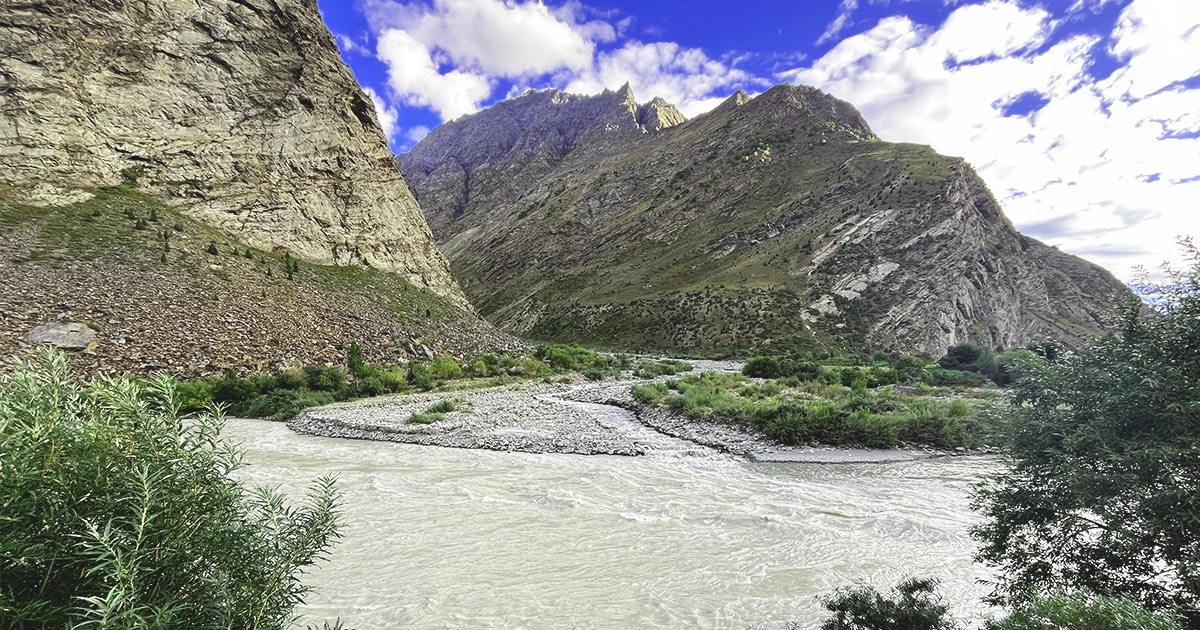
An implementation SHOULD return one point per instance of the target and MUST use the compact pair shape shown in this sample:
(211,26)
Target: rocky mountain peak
(805,106)
(658,114)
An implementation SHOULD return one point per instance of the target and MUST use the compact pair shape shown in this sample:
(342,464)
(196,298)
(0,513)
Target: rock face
(776,222)
(238,112)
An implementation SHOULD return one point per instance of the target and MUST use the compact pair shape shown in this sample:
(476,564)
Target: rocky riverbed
(566,417)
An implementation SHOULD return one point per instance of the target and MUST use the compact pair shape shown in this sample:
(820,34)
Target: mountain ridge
(775,221)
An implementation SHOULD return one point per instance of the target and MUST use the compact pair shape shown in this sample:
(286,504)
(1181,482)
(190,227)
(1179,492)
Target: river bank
(567,418)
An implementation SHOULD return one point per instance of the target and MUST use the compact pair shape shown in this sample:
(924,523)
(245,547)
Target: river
(683,537)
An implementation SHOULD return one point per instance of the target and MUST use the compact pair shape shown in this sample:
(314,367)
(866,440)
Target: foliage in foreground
(118,511)
(1103,490)
(914,604)
(805,413)
(1085,612)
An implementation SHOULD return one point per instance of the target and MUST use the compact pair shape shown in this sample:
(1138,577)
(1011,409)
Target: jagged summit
(777,221)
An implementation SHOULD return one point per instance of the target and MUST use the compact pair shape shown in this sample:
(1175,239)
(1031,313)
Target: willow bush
(119,511)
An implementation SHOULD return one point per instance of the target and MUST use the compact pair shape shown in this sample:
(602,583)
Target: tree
(120,512)
(212,249)
(1103,490)
(354,360)
(961,356)
(913,605)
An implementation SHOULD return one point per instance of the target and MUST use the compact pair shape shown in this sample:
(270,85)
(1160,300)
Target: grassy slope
(88,261)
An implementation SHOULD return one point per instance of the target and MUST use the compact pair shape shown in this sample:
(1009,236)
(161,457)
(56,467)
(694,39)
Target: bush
(231,390)
(962,357)
(567,357)
(291,378)
(325,378)
(445,368)
(1086,612)
(942,377)
(146,528)
(650,393)
(780,367)
(421,376)
(913,605)
(194,395)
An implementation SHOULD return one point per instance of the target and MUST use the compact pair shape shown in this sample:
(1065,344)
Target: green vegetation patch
(813,412)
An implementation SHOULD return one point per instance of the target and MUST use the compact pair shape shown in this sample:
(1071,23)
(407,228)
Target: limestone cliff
(780,221)
(238,112)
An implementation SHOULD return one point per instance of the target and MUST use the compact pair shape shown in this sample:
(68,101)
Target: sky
(1083,116)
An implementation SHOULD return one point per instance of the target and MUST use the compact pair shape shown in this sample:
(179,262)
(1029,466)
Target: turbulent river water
(683,537)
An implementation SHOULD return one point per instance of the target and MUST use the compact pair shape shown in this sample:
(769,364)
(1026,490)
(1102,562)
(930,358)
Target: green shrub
(120,513)
(325,378)
(444,406)
(480,368)
(284,403)
(650,393)
(212,249)
(291,378)
(567,357)
(426,418)
(231,390)
(1088,612)
(421,376)
(194,395)
(962,357)
(445,368)
(942,377)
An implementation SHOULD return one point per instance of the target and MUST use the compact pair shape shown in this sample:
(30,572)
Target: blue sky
(1082,115)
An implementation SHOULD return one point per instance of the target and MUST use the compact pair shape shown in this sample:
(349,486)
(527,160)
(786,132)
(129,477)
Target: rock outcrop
(776,222)
(238,112)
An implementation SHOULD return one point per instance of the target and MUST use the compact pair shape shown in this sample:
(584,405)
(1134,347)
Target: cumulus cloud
(684,76)
(416,134)
(1104,167)
(415,78)
(449,55)
(492,37)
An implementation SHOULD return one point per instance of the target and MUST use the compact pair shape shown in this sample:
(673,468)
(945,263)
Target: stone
(64,335)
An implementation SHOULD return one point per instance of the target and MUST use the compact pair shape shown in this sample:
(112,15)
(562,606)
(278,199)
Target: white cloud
(416,134)
(840,21)
(449,55)
(1091,171)
(686,77)
(414,77)
(388,116)
(349,45)
(491,37)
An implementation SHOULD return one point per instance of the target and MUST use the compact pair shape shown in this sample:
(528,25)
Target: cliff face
(238,112)
(775,222)
(197,186)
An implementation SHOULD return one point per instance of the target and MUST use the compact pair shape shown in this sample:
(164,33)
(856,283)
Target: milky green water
(681,538)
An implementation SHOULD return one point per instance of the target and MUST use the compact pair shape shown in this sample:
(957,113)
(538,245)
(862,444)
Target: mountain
(780,221)
(238,124)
